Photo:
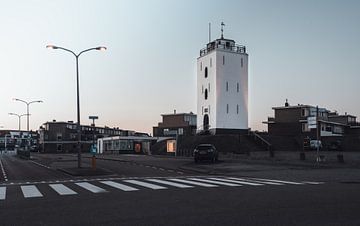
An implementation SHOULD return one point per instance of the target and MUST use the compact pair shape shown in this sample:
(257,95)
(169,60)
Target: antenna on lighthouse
(222,30)
(209,32)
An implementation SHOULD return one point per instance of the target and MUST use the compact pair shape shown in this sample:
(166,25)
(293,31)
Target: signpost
(93,151)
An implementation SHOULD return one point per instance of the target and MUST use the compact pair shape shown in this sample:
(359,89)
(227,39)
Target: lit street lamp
(19,116)
(77,93)
(27,108)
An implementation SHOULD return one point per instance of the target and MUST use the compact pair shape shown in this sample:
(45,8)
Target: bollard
(93,162)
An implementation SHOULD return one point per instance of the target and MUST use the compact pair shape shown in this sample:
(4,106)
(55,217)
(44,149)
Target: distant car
(205,152)
(314,144)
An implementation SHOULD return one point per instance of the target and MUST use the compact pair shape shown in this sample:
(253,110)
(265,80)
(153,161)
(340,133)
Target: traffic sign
(93,149)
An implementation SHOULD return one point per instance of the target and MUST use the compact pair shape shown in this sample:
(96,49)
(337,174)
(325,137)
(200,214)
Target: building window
(227,86)
(210,62)
(227,108)
(200,66)
(59,136)
(206,72)
(206,94)
(237,109)
(223,60)
(242,62)
(237,87)
(304,112)
(305,127)
(209,87)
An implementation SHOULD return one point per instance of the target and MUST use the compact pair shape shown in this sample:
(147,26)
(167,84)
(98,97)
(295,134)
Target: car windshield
(203,147)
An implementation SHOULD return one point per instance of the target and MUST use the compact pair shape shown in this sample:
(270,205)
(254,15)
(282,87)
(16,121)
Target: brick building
(61,137)
(176,124)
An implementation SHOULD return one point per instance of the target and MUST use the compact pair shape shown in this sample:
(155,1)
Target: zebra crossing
(68,188)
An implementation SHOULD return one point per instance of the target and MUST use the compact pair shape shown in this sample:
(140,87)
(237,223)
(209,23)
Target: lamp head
(101,48)
(51,47)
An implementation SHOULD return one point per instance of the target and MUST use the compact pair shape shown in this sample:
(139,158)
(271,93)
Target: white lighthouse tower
(222,87)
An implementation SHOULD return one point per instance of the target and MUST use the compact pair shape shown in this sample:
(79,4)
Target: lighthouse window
(237,87)
(206,72)
(227,86)
(223,60)
(200,66)
(210,62)
(227,108)
(209,87)
(206,94)
(242,62)
(237,109)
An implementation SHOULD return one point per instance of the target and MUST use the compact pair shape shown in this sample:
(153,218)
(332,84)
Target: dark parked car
(206,152)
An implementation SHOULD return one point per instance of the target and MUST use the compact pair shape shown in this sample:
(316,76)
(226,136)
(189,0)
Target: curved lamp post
(19,116)
(102,48)
(27,108)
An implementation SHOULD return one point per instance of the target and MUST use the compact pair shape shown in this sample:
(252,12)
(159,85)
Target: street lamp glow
(101,48)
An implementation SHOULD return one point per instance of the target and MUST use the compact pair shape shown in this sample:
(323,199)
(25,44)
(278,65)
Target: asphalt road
(37,195)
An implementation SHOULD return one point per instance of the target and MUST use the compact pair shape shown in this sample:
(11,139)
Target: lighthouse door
(206,122)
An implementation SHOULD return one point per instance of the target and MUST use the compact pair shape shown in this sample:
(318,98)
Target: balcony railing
(231,48)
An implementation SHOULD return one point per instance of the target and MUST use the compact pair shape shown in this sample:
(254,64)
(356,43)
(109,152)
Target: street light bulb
(51,47)
(101,48)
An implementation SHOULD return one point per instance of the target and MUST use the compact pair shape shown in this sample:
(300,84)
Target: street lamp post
(77,91)
(27,108)
(19,116)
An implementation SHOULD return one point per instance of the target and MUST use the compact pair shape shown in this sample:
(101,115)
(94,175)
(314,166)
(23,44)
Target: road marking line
(30,191)
(2,193)
(215,182)
(90,187)
(194,183)
(145,184)
(119,186)
(3,171)
(170,183)
(279,181)
(62,189)
(312,183)
(236,181)
(256,181)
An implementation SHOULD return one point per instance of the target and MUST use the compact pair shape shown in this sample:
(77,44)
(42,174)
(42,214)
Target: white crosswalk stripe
(119,186)
(62,189)
(256,181)
(278,181)
(30,191)
(170,183)
(194,183)
(136,184)
(236,181)
(90,187)
(2,193)
(215,182)
(145,184)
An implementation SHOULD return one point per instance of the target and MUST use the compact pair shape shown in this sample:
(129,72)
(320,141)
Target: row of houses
(290,123)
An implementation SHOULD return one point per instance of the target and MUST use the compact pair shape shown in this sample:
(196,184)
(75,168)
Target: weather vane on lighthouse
(222,30)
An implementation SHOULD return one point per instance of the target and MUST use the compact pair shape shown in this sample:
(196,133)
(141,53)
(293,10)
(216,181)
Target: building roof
(192,114)
(299,106)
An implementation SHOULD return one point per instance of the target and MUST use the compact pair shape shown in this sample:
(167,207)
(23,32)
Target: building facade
(176,124)
(305,121)
(222,87)
(61,137)
(19,140)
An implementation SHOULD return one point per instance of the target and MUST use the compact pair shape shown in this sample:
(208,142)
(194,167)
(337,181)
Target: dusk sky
(305,51)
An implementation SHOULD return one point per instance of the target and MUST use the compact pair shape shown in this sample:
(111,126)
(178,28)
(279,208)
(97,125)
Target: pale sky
(306,51)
